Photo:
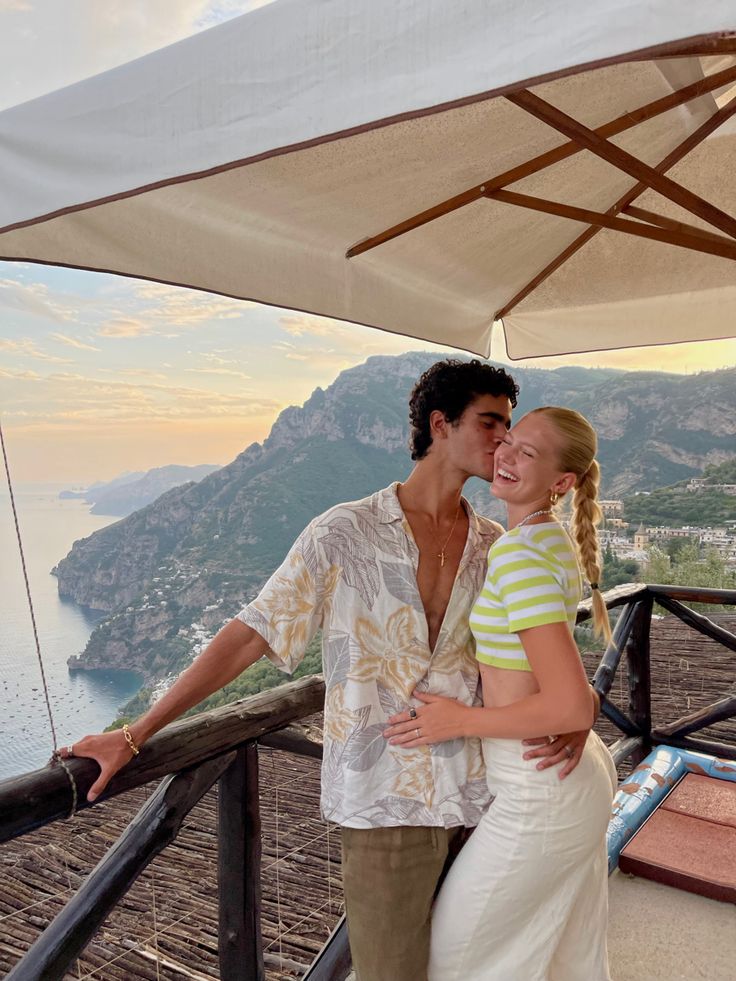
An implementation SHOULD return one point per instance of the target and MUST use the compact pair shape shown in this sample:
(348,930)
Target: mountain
(132,491)
(170,574)
(102,485)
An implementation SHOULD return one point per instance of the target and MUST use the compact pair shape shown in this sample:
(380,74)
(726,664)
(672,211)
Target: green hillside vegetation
(690,567)
(723,473)
(259,677)
(675,506)
(617,571)
(262,676)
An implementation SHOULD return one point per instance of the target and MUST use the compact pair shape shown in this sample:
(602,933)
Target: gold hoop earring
(553,498)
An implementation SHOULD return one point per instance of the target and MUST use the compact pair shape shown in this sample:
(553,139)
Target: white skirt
(527,898)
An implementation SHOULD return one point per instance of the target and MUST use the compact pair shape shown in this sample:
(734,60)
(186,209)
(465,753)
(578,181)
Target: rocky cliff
(170,574)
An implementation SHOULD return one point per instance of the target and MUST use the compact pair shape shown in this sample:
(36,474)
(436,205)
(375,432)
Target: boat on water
(355,160)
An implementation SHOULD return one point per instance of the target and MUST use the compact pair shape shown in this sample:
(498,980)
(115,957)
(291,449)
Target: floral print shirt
(352,572)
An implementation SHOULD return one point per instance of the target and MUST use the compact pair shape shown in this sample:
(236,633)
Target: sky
(101,375)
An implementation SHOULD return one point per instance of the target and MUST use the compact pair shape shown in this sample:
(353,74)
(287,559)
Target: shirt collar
(387,504)
(389,509)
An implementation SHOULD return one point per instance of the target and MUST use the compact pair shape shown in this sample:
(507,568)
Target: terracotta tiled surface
(705,798)
(686,852)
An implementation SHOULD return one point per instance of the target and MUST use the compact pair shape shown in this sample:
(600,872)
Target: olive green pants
(390,878)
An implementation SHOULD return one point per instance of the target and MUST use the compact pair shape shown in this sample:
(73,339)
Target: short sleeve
(525,583)
(288,610)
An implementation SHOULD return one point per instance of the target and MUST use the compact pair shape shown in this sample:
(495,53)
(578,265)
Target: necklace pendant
(441,557)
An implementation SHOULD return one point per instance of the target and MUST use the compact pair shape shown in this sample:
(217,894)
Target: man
(391,581)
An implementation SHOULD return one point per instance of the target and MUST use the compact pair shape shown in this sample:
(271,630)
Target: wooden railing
(221,746)
(631,640)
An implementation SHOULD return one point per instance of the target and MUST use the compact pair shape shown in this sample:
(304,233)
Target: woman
(527,898)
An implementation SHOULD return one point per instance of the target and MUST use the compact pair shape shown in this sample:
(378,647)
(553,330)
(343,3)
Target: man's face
(473,439)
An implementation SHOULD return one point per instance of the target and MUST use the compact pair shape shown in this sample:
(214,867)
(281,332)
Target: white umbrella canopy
(421,166)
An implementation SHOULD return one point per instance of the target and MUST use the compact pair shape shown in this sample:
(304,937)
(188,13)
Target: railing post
(333,962)
(640,683)
(239,874)
(155,826)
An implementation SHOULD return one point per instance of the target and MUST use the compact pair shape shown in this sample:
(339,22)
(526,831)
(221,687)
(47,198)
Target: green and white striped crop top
(533,579)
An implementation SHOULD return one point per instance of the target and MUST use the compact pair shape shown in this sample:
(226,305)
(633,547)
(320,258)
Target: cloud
(73,342)
(220,371)
(72,400)
(123,327)
(321,359)
(30,298)
(136,373)
(288,351)
(299,324)
(166,311)
(173,306)
(26,348)
(217,365)
(20,375)
(344,344)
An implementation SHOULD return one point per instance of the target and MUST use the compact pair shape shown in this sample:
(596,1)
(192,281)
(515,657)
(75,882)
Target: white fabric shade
(248,159)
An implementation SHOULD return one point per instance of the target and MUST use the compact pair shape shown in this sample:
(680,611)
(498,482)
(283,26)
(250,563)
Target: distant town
(630,540)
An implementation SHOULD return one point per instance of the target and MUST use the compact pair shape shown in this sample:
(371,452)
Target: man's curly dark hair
(451,386)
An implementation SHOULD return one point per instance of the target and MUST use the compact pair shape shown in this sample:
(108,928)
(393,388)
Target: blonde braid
(578,447)
(585,518)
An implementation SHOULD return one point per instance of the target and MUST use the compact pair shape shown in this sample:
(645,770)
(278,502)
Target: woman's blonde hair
(578,447)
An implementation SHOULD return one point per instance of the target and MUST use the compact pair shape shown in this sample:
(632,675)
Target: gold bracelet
(129,740)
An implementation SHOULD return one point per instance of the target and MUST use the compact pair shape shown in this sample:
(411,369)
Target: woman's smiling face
(526,466)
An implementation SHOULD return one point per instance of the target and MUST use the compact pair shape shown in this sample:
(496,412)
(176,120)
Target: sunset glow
(100,374)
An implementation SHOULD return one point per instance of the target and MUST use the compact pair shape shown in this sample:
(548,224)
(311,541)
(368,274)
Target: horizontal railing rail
(221,746)
(34,799)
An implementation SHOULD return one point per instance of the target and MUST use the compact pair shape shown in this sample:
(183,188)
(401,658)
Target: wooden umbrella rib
(724,44)
(618,125)
(673,157)
(724,247)
(624,161)
(652,218)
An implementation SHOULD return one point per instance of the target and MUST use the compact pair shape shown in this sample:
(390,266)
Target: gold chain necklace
(441,553)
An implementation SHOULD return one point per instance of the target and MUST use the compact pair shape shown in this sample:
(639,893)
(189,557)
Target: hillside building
(697,484)
(661,532)
(641,539)
(616,523)
(721,538)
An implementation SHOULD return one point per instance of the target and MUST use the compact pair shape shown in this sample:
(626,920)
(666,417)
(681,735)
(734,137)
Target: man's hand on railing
(110,750)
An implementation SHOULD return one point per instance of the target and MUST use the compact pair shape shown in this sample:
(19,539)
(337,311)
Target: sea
(82,702)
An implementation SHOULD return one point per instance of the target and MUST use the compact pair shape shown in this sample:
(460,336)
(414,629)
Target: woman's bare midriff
(502,686)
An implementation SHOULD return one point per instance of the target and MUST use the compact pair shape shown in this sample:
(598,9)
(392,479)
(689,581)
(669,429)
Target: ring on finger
(419,733)
(412,713)
(551,739)
(569,750)
(70,751)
